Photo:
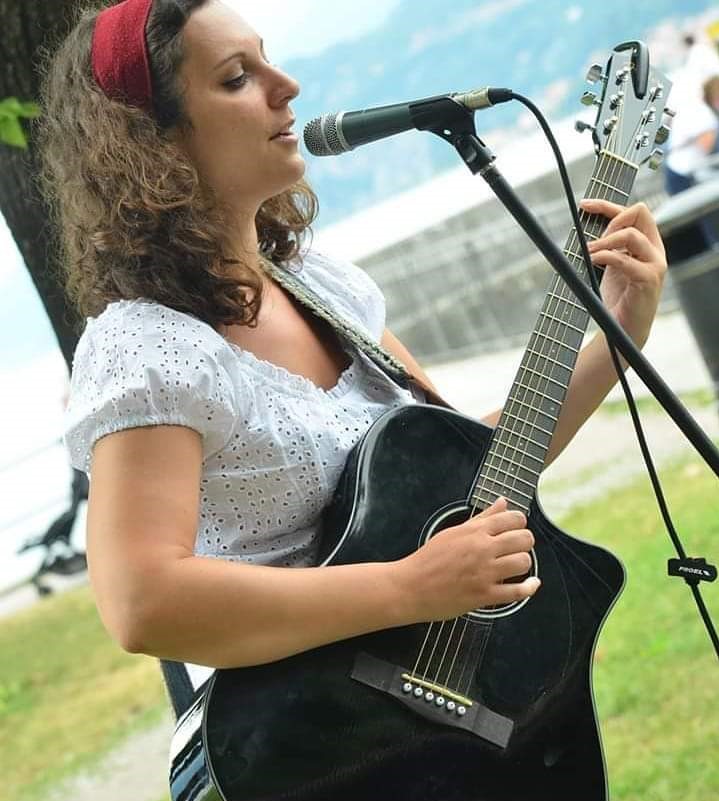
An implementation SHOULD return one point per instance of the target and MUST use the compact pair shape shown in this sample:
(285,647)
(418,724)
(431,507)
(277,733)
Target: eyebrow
(237,54)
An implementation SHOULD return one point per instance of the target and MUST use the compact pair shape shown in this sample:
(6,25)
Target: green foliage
(12,111)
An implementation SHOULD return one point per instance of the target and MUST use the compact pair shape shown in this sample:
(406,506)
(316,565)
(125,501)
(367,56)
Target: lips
(284,131)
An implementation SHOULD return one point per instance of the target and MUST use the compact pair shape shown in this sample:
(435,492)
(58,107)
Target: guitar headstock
(632,117)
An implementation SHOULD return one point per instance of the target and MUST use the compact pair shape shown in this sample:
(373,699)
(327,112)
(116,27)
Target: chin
(291,177)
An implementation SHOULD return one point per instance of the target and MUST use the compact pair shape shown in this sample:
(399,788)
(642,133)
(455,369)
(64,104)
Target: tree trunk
(26,26)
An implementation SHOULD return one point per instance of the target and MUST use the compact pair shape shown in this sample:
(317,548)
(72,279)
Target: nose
(284,88)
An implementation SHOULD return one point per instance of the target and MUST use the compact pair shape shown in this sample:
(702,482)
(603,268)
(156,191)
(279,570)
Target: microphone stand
(455,124)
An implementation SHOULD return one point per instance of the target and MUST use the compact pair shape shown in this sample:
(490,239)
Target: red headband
(120,62)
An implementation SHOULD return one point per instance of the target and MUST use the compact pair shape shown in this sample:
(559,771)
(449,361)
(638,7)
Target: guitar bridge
(432,701)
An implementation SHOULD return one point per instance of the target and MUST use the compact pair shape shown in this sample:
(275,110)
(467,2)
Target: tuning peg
(589,98)
(670,112)
(656,92)
(610,124)
(581,126)
(649,115)
(595,73)
(662,134)
(655,159)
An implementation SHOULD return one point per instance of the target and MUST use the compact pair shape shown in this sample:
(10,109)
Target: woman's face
(238,105)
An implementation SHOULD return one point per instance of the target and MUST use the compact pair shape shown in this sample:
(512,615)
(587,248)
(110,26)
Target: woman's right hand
(464,567)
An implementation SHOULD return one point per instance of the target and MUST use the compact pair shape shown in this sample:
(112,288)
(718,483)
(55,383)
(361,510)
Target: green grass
(67,694)
(656,678)
(697,398)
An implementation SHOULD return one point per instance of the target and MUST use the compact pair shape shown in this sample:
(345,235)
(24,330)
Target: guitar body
(304,728)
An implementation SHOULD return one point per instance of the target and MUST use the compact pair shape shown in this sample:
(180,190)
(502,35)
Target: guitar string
(444,653)
(558,541)
(573,241)
(551,339)
(535,361)
(486,631)
(615,165)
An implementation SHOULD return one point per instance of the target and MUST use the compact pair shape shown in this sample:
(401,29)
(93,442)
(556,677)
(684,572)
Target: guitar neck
(523,435)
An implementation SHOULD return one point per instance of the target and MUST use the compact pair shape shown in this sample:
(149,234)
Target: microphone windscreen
(321,138)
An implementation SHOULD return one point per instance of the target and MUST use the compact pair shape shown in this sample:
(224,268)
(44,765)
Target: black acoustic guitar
(495,705)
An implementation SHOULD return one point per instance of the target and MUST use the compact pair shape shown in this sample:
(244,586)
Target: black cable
(654,478)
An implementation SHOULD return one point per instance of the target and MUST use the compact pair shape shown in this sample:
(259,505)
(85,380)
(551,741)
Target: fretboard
(523,435)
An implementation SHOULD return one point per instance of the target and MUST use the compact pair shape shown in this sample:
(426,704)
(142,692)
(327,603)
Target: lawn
(67,694)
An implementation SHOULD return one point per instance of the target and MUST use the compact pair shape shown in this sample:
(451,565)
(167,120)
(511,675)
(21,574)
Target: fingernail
(535,582)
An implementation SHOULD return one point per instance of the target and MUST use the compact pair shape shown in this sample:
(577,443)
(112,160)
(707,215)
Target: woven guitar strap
(175,674)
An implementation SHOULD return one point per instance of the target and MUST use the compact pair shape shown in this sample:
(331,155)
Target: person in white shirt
(214,410)
(695,130)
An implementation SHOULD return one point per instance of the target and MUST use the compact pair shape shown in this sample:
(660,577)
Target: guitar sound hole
(453,516)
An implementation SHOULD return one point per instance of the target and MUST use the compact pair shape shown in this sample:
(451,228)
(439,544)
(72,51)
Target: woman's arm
(156,597)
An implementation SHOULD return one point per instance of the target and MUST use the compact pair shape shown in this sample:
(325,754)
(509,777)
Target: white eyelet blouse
(274,444)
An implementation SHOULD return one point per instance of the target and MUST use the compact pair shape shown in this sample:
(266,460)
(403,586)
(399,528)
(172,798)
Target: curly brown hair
(133,219)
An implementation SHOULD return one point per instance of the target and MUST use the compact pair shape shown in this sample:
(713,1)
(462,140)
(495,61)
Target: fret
(511,490)
(478,499)
(575,255)
(538,392)
(567,301)
(505,413)
(507,476)
(528,439)
(604,183)
(532,408)
(494,455)
(609,155)
(504,458)
(542,375)
(514,503)
(525,454)
(548,358)
(587,234)
(563,322)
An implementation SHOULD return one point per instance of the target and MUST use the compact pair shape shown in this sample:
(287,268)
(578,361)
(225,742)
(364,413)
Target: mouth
(286,131)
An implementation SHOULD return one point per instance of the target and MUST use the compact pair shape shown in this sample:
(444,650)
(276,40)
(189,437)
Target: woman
(214,410)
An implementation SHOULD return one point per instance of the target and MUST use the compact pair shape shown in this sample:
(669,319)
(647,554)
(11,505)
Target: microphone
(333,134)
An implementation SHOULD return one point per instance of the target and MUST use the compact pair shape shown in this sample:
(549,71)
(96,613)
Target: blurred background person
(695,131)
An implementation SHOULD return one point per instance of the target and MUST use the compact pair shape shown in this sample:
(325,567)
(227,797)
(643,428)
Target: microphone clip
(692,569)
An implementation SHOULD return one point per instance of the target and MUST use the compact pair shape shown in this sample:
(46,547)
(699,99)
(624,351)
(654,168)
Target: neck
(241,241)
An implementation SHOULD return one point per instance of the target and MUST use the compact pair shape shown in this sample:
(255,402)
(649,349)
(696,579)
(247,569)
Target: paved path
(606,446)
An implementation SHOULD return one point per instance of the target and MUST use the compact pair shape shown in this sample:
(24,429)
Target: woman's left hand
(633,254)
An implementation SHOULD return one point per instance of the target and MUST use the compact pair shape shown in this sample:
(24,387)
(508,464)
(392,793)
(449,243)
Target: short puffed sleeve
(142,364)
(350,291)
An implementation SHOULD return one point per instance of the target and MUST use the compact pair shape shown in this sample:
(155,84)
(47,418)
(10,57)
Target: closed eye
(236,83)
